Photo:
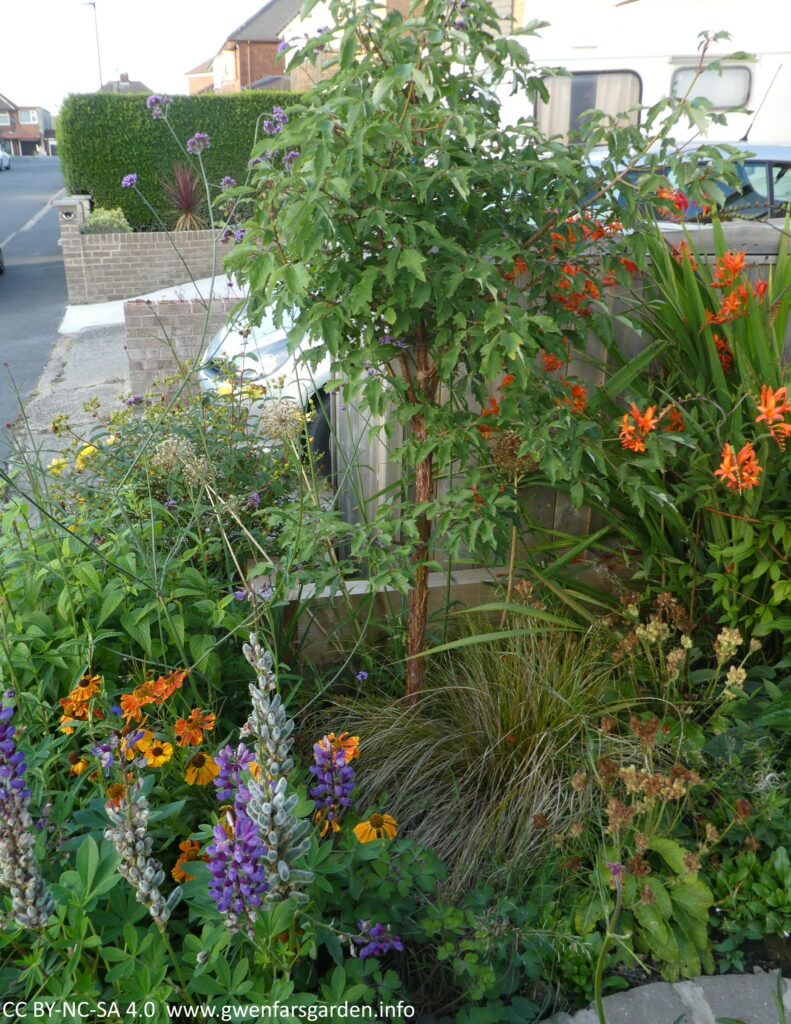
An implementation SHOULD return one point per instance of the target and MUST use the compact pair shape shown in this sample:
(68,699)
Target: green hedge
(102,137)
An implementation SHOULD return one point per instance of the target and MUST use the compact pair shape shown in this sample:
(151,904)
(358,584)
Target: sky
(155,41)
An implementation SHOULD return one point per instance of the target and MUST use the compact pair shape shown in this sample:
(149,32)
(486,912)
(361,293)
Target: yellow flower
(56,466)
(136,742)
(83,457)
(201,769)
(158,753)
(78,763)
(110,439)
(224,388)
(378,826)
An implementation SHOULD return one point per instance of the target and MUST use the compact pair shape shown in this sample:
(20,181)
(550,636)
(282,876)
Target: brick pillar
(72,212)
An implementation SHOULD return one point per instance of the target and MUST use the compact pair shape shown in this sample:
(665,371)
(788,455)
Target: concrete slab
(746,998)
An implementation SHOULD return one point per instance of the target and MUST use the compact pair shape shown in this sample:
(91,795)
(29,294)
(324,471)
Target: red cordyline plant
(427,251)
(186,196)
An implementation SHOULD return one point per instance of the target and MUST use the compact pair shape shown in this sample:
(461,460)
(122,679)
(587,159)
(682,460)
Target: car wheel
(2,264)
(320,431)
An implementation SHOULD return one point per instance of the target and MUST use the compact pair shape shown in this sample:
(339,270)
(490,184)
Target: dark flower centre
(376,821)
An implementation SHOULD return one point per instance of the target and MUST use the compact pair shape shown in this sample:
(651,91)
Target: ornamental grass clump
(480,770)
(31,904)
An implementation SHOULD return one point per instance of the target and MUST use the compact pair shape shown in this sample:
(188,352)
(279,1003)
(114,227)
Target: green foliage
(100,221)
(102,137)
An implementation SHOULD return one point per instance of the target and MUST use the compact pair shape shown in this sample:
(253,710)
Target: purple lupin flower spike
(376,940)
(335,782)
(232,763)
(31,904)
(237,866)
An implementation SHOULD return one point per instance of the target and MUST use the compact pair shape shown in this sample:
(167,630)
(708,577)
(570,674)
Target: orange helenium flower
(87,687)
(635,427)
(190,729)
(739,472)
(165,686)
(201,769)
(157,753)
(378,826)
(132,703)
(189,851)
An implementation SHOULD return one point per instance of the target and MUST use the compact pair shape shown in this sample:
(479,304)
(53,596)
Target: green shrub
(101,221)
(103,137)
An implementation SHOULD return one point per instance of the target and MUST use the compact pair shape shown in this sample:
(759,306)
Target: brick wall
(163,336)
(100,268)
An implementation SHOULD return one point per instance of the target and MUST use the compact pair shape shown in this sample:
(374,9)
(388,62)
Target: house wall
(163,337)
(100,268)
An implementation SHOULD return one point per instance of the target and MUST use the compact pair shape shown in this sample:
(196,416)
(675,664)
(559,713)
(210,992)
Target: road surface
(33,288)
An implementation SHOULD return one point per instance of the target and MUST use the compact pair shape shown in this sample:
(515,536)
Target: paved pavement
(89,364)
(758,998)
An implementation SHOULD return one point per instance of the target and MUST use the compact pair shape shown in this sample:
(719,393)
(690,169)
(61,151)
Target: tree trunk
(418,599)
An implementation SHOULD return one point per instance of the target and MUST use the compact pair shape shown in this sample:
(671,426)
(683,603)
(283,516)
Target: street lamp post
(92,3)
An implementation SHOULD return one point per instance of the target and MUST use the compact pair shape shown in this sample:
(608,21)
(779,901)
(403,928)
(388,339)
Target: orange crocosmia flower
(190,729)
(739,472)
(724,353)
(674,422)
(476,497)
(550,360)
(577,398)
(87,687)
(760,289)
(165,686)
(732,263)
(520,266)
(630,265)
(635,427)
(773,404)
(507,379)
(493,409)
(683,252)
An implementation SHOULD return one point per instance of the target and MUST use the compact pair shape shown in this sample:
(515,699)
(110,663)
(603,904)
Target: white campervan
(632,52)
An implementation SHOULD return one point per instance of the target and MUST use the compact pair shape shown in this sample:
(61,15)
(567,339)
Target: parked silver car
(5,160)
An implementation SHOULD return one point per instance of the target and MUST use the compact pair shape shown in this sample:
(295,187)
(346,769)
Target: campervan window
(613,92)
(725,89)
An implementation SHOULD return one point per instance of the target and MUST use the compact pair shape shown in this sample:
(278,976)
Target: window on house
(5,117)
(28,117)
(723,89)
(612,92)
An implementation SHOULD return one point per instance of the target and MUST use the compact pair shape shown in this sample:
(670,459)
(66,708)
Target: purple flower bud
(361,676)
(227,182)
(198,142)
(129,181)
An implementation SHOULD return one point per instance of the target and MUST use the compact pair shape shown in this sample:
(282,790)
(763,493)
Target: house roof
(123,85)
(6,104)
(265,26)
(201,69)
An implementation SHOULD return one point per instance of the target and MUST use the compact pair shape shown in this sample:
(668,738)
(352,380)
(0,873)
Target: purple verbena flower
(198,142)
(156,104)
(290,159)
(240,595)
(170,503)
(376,940)
(31,904)
(254,500)
(129,181)
(227,182)
(279,115)
(225,235)
(239,234)
(282,46)
(361,676)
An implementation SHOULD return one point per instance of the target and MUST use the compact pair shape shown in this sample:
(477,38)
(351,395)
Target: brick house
(248,59)
(25,131)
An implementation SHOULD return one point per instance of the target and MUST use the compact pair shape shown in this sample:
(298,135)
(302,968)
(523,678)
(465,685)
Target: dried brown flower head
(608,771)
(638,866)
(743,808)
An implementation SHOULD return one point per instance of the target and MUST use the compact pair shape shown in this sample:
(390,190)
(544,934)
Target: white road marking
(35,218)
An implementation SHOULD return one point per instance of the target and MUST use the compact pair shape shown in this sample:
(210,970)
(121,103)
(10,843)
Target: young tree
(430,250)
